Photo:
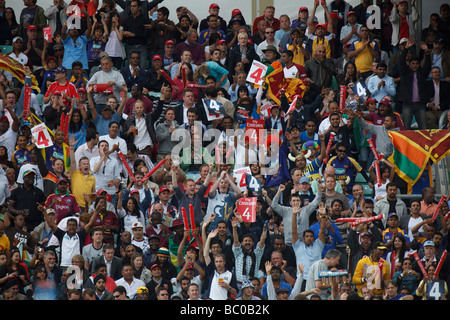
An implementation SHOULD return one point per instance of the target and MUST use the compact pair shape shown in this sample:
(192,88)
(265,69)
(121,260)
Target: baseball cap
(50,58)
(335,15)
(31,27)
(438,39)
(157,57)
(365,234)
(403,40)
(304,179)
(17,38)
(370,100)
(386,101)
(190,267)
(106,107)
(137,225)
(51,211)
(61,179)
(303,9)
(134,191)
(60,69)
(82,89)
(27,172)
(175,223)
(444,6)
(428,243)
(351,12)
(57,92)
(379,245)
(392,214)
(235,12)
(170,42)
(142,290)
(100,191)
(153,236)
(321,25)
(247,284)
(282,290)
(163,188)
(214,5)
(302,25)
(236,19)
(402,1)
(221,40)
(155,265)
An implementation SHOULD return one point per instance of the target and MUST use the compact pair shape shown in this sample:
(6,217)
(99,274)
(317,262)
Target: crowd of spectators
(115,209)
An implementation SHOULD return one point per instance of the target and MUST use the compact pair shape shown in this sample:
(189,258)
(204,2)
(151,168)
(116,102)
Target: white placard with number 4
(42,136)
(257,72)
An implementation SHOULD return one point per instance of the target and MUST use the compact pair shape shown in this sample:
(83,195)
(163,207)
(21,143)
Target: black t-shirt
(26,199)
(392,204)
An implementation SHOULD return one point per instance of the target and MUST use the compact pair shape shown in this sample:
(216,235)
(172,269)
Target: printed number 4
(256,75)
(42,139)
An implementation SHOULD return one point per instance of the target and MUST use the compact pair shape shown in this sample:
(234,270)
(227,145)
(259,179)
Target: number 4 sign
(241,180)
(42,136)
(257,73)
(247,208)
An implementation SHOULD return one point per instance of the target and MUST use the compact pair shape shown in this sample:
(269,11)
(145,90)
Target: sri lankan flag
(275,81)
(413,150)
(17,70)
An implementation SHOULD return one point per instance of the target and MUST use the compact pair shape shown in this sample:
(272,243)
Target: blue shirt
(331,240)
(307,255)
(102,125)
(283,285)
(80,135)
(75,50)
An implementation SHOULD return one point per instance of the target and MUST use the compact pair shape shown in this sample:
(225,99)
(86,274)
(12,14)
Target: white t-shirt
(118,140)
(8,140)
(142,139)
(217,292)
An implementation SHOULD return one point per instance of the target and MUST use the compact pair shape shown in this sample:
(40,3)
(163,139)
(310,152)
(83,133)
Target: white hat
(137,225)
(402,40)
(16,38)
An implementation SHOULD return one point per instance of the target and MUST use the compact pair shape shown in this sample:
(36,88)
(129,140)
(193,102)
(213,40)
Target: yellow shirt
(4,243)
(325,42)
(299,58)
(82,184)
(366,269)
(364,59)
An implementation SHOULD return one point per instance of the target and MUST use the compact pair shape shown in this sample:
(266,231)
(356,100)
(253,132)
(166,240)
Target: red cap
(62,179)
(402,1)
(303,9)
(82,89)
(134,191)
(370,100)
(214,5)
(321,25)
(163,188)
(250,41)
(157,57)
(386,101)
(100,191)
(334,16)
(170,42)
(351,12)
(235,12)
(221,41)
(57,92)
(32,27)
